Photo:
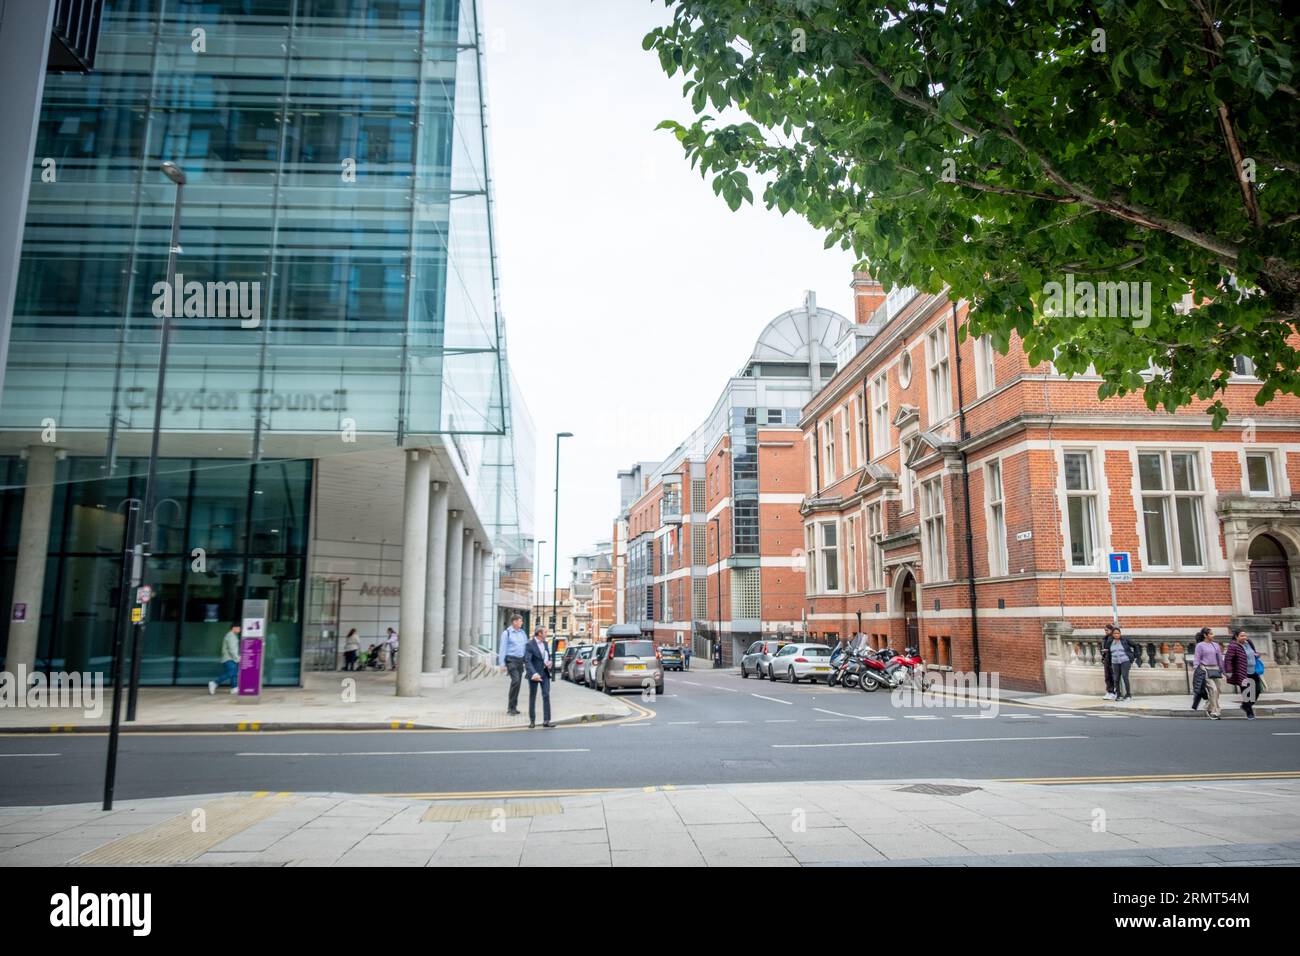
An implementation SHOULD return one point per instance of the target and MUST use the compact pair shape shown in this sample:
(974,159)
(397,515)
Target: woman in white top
(351,645)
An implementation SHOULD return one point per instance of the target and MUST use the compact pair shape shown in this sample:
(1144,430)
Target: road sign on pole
(1119,570)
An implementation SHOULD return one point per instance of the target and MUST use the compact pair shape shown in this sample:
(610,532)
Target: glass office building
(336,296)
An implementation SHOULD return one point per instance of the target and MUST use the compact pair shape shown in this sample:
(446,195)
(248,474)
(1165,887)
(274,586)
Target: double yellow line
(1156,777)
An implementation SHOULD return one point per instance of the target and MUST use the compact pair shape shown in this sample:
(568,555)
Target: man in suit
(537,662)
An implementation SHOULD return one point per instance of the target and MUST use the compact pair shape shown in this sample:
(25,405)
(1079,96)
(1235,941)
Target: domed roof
(787,337)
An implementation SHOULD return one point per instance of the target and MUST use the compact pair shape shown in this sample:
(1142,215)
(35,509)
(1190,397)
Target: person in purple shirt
(1207,662)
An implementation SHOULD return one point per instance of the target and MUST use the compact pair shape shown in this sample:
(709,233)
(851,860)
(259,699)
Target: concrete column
(415,559)
(451,595)
(476,619)
(435,617)
(487,593)
(33,547)
(24,45)
(466,595)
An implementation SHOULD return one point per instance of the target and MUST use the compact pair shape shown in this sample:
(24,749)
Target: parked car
(566,662)
(796,662)
(630,661)
(672,657)
(758,659)
(575,667)
(590,665)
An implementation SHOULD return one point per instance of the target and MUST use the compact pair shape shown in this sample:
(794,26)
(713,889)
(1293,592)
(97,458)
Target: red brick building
(957,497)
(708,543)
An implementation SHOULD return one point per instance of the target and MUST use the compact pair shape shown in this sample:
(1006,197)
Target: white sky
(630,292)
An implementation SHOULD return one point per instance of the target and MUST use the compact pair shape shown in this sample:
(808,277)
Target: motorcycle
(890,670)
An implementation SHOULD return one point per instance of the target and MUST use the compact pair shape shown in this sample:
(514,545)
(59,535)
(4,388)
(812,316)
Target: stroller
(371,659)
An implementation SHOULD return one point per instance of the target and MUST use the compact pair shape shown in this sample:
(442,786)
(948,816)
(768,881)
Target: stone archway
(1270,575)
(1245,522)
(907,598)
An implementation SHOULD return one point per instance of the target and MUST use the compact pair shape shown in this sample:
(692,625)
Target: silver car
(796,662)
(577,668)
(591,662)
(758,659)
(631,663)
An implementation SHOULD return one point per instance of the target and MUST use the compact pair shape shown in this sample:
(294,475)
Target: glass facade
(336,204)
(336,294)
(209,556)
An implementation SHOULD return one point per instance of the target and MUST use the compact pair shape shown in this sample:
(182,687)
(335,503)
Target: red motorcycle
(886,669)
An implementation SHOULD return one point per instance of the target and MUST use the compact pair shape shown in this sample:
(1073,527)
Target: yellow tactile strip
(456,812)
(174,840)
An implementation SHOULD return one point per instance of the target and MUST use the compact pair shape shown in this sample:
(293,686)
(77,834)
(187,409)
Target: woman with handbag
(1208,668)
(1239,670)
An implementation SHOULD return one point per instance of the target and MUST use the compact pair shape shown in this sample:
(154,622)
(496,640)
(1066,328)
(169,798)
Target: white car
(796,662)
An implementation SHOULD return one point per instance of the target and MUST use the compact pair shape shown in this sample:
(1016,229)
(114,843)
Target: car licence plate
(633,667)
(821,668)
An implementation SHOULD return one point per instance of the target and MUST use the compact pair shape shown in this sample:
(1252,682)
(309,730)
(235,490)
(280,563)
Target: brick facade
(1191,540)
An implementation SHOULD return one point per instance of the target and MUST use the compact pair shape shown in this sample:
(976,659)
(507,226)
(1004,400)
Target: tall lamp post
(716,521)
(144,525)
(539,596)
(555,541)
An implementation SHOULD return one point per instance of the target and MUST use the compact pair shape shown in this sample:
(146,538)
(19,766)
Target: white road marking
(1111,716)
(417,753)
(905,743)
(783,720)
(1026,716)
(683,722)
(1070,716)
(921,717)
(730,690)
(692,683)
(1276,733)
(850,716)
(975,716)
(31,755)
(830,720)
(733,721)
(775,700)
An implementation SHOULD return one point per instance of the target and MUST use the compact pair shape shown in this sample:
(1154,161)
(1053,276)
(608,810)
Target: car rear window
(634,649)
(584,652)
(817,652)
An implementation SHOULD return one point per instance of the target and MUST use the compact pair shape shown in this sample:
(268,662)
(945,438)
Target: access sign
(1119,568)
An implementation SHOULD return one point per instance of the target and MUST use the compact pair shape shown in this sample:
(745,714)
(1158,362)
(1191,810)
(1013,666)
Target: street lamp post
(555,541)
(542,603)
(142,528)
(716,521)
(540,597)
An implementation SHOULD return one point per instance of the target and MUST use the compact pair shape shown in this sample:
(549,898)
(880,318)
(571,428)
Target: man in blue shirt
(510,655)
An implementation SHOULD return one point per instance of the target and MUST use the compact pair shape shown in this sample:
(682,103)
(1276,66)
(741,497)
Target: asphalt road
(708,728)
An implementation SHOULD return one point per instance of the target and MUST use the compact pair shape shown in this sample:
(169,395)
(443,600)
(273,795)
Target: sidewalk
(931,823)
(328,701)
(1171,705)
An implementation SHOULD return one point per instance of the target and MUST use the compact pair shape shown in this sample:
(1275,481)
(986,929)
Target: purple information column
(250,667)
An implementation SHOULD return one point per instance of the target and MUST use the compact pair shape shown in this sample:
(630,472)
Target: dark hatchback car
(672,657)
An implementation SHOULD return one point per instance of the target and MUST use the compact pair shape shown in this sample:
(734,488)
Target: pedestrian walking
(229,662)
(510,655)
(538,664)
(1207,662)
(1239,671)
(1107,632)
(1123,653)
(686,653)
(351,645)
(392,648)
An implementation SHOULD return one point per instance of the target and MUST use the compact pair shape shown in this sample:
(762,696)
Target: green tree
(998,147)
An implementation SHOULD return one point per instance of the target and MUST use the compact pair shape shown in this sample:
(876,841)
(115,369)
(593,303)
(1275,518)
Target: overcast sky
(631,293)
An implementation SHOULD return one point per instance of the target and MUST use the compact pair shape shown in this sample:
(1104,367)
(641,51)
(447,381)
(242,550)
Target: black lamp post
(142,525)
(555,542)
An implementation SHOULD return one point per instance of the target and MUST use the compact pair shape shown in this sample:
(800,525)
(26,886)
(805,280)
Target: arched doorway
(1270,576)
(907,600)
